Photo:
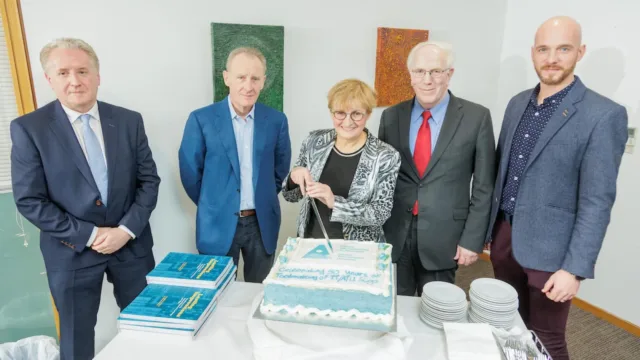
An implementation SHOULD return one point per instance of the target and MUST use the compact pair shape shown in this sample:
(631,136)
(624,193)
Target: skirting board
(592,309)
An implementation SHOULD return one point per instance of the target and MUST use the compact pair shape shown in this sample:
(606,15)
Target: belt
(245,213)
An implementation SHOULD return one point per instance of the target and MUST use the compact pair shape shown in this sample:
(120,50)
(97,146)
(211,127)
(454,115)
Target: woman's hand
(321,192)
(302,177)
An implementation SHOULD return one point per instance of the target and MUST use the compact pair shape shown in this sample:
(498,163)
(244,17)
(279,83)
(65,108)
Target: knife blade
(324,231)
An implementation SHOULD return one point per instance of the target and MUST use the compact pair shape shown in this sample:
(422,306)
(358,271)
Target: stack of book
(182,292)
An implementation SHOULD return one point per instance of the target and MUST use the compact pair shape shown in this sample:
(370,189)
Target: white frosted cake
(352,282)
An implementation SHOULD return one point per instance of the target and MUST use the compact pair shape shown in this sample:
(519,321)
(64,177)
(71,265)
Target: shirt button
(519,156)
(537,113)
(515,178)
(553,101)
(526,135)
(513,199)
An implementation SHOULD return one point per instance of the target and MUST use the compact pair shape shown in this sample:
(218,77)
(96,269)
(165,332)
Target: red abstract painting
(393,83)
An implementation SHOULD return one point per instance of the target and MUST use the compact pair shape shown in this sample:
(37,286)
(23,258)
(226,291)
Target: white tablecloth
(225,335)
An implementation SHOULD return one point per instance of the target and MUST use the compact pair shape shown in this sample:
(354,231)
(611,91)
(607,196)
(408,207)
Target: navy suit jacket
(210,173)
(568,188)
(54,189)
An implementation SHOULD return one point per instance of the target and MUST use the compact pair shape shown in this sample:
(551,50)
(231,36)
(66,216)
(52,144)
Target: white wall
(156,58)
(609,67)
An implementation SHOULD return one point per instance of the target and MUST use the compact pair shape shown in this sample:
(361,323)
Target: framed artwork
(268,39)
(393,83)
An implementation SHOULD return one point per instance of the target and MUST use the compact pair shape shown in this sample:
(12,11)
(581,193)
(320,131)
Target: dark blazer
(450,213)
(210,173)
(568,187)
(54,189)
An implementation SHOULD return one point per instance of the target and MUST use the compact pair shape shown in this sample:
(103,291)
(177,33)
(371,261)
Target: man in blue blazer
(83,173)
(559,152)
(233,158)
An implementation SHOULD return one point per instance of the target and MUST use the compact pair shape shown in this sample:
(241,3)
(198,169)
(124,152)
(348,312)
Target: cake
(349,280)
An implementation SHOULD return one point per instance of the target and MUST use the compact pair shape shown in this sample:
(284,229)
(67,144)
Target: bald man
(559,153)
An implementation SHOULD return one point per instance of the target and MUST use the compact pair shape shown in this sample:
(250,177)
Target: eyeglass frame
(364,114)
(439,73)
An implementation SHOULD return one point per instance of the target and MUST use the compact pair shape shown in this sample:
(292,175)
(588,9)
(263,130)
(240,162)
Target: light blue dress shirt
(243,129)
(438,113)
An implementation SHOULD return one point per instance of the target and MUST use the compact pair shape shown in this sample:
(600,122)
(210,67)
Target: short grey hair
(445,47)
(249,51)
(67,43)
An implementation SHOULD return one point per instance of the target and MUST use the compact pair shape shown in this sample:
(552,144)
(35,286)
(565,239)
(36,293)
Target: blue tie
(95,158)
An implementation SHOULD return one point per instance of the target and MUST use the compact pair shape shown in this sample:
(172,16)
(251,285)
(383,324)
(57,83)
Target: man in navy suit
(559,152)
(233,158)
(83,173)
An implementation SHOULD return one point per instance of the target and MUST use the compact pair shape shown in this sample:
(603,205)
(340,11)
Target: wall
(610,68)
(156,58)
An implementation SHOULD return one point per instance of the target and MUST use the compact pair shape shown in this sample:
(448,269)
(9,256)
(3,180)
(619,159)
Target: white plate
(443,292)
(493,289)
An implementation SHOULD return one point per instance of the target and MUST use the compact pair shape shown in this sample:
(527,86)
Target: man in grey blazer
(444,142)
(559,153)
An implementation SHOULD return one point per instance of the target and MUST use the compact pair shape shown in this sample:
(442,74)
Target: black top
(338,174)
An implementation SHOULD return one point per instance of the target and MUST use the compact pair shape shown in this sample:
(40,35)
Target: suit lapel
(110,136)
(63,130)
(404,127)
(511,130)
(260,133)
(449,126)
(564,112)
(227,137)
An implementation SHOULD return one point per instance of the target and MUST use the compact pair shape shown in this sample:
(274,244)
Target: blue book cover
(170,303)
(191,270)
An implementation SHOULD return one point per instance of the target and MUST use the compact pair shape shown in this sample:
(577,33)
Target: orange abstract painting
(393,84)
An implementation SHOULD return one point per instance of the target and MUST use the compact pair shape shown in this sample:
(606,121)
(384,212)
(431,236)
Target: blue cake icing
(354,281)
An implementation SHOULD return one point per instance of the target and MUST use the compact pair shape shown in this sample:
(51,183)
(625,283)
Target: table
(225,334)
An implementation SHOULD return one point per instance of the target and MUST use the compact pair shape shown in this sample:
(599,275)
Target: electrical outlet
(631,141)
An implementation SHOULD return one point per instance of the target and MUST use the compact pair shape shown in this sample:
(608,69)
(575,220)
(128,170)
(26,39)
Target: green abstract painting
(268,39)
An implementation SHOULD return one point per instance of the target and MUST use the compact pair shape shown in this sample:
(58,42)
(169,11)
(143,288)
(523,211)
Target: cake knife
(324,232)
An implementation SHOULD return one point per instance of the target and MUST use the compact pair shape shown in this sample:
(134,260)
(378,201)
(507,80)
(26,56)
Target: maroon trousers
(546,317)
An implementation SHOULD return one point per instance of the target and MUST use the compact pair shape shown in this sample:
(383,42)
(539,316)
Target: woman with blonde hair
(351,172)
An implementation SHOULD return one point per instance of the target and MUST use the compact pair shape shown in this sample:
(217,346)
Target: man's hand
(301,177)
(561,286)
(110,240)
(465,257)
(321,192)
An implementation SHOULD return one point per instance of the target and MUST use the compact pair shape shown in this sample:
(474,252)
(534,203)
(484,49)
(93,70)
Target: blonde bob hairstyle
(352,92)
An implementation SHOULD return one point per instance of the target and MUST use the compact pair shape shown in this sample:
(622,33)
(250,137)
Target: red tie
(422,150)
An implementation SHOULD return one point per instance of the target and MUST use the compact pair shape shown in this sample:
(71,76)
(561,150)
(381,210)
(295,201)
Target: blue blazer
(568,188)
(54,189)
(210,173)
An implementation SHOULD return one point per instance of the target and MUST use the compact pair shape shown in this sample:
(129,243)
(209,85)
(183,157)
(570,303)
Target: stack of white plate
(493,302)
(442,302)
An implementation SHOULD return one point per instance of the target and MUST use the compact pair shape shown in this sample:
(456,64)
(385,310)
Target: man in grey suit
(559,153)
(444,142)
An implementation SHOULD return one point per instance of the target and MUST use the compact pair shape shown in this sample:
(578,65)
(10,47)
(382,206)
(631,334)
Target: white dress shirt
(94,123)
(243,130)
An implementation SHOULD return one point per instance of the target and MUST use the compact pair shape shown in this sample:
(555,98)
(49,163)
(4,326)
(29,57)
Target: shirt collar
(74,115)
(437,112)
(558,97)
(235,115)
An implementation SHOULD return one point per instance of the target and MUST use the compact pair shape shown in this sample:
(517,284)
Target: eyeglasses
(355,115)
(435,73)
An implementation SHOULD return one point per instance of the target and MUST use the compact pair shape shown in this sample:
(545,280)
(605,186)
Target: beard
(557,78)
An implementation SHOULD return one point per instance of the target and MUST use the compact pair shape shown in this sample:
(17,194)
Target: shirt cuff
(128,231)
(92,238)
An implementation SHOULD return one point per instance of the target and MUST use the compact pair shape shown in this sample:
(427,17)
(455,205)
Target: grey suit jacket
(371,194)
(568,187)
(450,213)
